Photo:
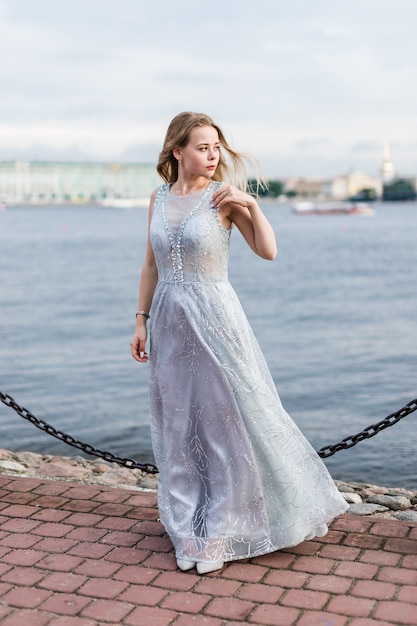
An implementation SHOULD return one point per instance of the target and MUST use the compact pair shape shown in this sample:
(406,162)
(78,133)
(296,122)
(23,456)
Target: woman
(237,478)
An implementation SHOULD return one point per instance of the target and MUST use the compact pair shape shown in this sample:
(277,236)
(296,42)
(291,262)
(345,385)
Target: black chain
(85,447)
(369,431)
(324,453)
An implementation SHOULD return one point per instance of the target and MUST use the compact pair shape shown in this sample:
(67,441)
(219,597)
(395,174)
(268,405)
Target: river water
(335,314)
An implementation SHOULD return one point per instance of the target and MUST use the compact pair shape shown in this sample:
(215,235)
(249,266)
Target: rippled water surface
(335,314)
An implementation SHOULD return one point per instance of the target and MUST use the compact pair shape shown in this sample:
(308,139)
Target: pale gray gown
(237,478)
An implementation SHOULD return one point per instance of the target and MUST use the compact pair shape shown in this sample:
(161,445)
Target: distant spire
(387,168)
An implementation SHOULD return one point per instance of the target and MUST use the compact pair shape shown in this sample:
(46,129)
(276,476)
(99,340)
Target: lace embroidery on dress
(237,478)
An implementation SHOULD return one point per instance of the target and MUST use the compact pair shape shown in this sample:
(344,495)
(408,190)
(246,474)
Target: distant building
(349,185)
(387,168)
(337,188)
(38,182)
(304,187)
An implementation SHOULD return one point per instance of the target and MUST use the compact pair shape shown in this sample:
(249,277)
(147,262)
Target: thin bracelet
(144,313)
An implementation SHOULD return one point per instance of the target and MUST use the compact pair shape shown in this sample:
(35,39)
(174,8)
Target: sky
(307,87)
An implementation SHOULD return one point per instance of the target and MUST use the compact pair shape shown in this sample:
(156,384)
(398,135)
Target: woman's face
(201,154)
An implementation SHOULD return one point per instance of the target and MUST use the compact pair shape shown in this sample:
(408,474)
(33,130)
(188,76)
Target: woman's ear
(177,153)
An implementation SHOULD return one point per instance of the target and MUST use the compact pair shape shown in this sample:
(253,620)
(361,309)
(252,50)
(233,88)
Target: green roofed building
(40,182)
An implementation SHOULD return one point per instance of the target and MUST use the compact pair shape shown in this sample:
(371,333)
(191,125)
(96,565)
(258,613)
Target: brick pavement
(87,555)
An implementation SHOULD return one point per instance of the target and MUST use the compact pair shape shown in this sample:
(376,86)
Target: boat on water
(332,208)
(125,203)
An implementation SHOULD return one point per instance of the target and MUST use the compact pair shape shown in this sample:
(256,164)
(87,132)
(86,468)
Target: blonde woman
(237,478)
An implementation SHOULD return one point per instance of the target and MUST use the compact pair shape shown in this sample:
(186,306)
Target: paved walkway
(87,555)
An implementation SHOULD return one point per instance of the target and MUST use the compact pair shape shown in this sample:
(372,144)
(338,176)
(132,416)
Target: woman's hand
(228,194)
(138,343)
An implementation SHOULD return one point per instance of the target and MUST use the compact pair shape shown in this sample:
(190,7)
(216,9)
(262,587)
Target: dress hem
(320,530)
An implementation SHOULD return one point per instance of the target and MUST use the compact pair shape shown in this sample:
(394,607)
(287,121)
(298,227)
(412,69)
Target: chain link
(324,453)
(369,431)
(71,441)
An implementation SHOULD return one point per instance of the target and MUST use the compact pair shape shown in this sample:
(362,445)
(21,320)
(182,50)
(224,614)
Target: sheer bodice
(194,248)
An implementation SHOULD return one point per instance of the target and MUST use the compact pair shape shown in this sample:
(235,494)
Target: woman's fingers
(138,351)
(228,194)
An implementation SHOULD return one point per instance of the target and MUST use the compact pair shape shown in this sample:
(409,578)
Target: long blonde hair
(232,170)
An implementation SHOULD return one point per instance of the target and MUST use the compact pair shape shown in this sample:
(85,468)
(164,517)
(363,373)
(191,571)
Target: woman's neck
(183,187)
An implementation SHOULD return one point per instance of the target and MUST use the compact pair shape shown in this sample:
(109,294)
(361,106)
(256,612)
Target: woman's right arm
(148,282)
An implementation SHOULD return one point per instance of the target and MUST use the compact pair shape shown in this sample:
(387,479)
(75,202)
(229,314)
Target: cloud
(104,77)
(313,144)
(146,152)
(366,146)
(41,152)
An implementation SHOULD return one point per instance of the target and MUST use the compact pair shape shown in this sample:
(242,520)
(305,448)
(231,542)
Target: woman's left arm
(243,210)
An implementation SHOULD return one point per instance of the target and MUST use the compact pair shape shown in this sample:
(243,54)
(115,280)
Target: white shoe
(206,568)
(185,565)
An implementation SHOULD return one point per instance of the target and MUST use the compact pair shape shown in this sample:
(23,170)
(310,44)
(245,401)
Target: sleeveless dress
(237,478)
